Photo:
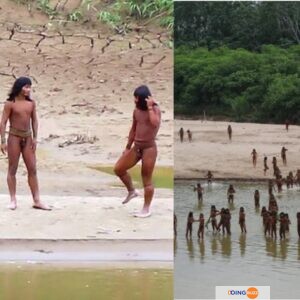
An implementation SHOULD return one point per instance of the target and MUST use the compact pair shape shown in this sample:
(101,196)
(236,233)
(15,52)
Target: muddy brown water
(238,259)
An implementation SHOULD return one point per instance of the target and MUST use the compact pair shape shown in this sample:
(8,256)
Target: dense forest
(238,60)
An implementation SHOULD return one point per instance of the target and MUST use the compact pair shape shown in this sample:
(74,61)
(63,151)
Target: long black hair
(17,88)
(142,93)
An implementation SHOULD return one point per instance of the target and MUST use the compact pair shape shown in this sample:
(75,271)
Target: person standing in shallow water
(141,146)
(20,111)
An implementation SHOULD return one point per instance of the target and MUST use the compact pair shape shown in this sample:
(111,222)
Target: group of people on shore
(188,133)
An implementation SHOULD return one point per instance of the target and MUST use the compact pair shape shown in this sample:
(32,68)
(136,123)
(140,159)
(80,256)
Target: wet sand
(148,253)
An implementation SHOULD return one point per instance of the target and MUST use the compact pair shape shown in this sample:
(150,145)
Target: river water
(239,259)
(19,282)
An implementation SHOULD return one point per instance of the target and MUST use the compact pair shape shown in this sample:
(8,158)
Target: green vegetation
(231,61)
(139,10)
(246,24)
(117,14)
(162,177)
(44,6)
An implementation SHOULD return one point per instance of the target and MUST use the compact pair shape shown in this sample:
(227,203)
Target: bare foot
(12,205)
(144,213)
(39,205)
(130,196)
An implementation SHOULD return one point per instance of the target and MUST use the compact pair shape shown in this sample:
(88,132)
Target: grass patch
(162,176)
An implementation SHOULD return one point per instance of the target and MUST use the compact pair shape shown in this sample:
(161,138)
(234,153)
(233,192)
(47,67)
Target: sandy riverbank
(212,150)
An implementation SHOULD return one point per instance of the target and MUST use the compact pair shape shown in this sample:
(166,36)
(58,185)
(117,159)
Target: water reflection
(214,245)
(198,205)
(35,282)
(201,249)
(190,248)
(283,249)
(242,242)
(231,206)
(252,251)
(226,245)
(271,247)
(175,245)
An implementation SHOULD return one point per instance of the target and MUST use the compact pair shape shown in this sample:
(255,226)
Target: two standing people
(20,111)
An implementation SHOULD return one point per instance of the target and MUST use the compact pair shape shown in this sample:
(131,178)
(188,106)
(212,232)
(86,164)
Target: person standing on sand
(265,165)
(145,125)
(20,111)
(287,124)
(254,157)
(189,134)
(229,131)
(181,134)
(283,155)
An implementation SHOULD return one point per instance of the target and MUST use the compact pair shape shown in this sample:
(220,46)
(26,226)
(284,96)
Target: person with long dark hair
(141,146)
(20,111)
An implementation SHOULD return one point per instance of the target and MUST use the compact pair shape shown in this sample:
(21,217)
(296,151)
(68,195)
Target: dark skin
(130,158)
(273,226)
(282,227)
(201,227)
(175,225)
(242,221)
(213,215)
(229,131)
(283,155)
(21,113)
(189,226)
(181,133)
(230,194)
(189,133)
(268,224)
(209,177)
(298,223)
(287,123)
(199,190)
(265,165)
(254,157)
(256,199)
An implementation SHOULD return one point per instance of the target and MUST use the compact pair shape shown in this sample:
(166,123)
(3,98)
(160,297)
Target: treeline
(238,60)
(239,84)
(247,24)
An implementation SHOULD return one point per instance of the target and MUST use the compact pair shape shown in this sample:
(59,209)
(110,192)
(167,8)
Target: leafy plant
(109,18)
(75,16)
(44,6)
